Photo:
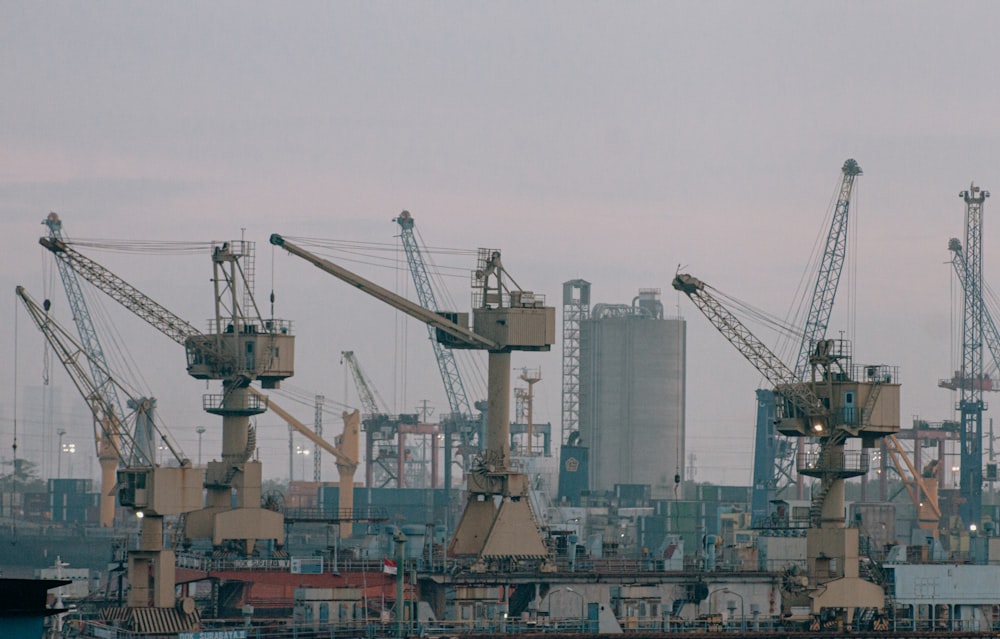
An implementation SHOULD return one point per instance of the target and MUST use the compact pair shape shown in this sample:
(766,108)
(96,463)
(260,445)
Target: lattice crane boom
(70,352)
(755,351)
(122,292)
(454,387)
(990,332)
(89,339)
(830,268)
(371,401)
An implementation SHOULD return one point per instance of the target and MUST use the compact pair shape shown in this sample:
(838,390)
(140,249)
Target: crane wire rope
(13,471)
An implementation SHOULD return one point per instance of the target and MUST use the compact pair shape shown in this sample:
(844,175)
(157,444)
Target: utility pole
(201,431)
(60,432)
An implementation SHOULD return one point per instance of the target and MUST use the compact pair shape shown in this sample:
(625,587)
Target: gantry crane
(345,452)
(152,491)
(840,400)
(97,363)
(971,377)
(380,425)
(771,459)
(460,422)
(505,319)
(239,348)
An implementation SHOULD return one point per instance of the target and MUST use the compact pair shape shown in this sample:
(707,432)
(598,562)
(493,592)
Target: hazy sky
(605,140)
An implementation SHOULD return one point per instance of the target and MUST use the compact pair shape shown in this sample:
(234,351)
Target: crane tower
(772,463)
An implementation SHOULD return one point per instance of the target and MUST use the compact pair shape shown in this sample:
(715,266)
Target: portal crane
(345,452)
(505,319)
(460,422)
(240,348)
(380,425)
(839,401)
(150,490)
(769,464)
(97,363)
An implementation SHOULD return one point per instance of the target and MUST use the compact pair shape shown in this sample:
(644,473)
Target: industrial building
(631,395)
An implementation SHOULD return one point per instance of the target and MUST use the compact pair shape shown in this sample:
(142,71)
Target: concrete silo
(632,389)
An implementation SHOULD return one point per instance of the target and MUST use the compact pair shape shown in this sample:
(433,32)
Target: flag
(389,566)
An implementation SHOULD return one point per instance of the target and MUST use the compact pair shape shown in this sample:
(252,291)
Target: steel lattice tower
(971,405)
(576,308)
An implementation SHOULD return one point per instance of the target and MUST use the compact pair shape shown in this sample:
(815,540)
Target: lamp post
(60,432)
(304,452)
(70,449)
(201,431)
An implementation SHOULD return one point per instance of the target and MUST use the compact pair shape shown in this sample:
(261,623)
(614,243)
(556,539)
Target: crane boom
(89,339)
(311,435)
(70,352)
(786,382)
(828,276)
(371,401)
(990,333)
(122,292)
(454,388)
(467,338)
(201,349)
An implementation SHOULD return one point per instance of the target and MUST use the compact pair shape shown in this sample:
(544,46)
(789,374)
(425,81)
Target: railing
(839,462)
(372,629)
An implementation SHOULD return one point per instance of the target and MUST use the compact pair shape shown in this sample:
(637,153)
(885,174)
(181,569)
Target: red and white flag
(389,566)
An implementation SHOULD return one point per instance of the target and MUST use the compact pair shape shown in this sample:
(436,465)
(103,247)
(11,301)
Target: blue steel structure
(771,466)
(971,404)
(460,421)
(991,334)
(142,452)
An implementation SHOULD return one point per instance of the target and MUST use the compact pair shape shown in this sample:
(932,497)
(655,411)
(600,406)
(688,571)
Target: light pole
(70,449)
(304,452)
(201,431)
(60,432)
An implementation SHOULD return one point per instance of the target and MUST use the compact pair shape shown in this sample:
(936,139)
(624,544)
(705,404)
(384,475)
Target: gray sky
(605,140)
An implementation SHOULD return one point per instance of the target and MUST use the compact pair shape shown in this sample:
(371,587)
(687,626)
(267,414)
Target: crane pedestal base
(498,522)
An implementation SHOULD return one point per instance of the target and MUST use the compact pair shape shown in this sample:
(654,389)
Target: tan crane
(839,401)
(504,320)
(346,452)
(151,491)
(241,347)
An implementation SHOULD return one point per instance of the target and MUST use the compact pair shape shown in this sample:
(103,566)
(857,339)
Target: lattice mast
(971,405)
(576,309)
